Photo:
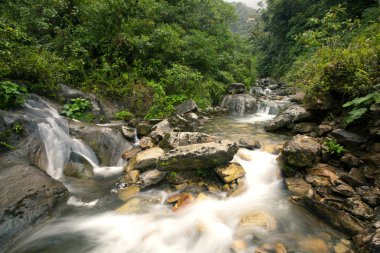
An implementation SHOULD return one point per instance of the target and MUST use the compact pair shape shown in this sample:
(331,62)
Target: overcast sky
(250,3)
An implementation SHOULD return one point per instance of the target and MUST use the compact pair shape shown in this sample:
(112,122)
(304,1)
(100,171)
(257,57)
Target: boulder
(162,127)
(304,128)
(198,156)
(146,142)
(147,159)
(298,187)
(143,128)
(347,138)
(323,129)
(132,177)
(185,107)
(291,115)
(152,177)
(239,104)
(177,139)
(249,143)
(27,195)
(301,151)
(339,219)
(191,116)
(259,219)
(131,153)
(236,88)
(230,172)
(128,132)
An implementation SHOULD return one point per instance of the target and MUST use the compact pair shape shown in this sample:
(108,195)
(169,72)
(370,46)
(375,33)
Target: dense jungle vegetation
(149,55)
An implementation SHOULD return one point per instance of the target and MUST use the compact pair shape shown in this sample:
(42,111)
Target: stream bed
(261,219)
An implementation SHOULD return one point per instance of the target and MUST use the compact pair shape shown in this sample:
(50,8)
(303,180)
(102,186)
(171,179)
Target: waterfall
(53,131)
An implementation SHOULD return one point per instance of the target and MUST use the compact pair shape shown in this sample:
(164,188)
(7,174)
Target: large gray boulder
(177,139)
(291,115)
(301,151)
(27,195)
(198,156)
(239,104)
(148,159)
(185,107)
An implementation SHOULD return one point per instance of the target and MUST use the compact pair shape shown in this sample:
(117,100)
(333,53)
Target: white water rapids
(54,133)
(212,224)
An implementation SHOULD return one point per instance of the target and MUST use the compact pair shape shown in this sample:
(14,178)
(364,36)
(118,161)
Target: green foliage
(172,173)
(342,59)
(202,172)
(6,145)
(17,128)
(333,148)
(360,106)
(124,115)
(78,108)
(11,95)
(116,48)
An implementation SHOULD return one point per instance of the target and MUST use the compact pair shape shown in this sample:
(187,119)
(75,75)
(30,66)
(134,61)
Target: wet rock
(350,161)
(291,115)
(374,243)
(339,219)
(259,219)
(236,88)
(347,138)
(280,248)
(249,143)
(143,128)
(130,165)
(239,104)
(301,151)
(195,156)
(191,116)
(185,107)
(131,153)
(177,139)
(162,127)
(341,248)
(27,195)
(107,142)
(181,200)
(78,170)
(132,206)
(323,130)
(318,181)
(127,193)
(132,177)
(239,246)
(128,132)
(325,171)
(354,178)
(148,158)
(146,142)
(370,195)
(299,187)
(344,190)
(304,128)
(152,177)
(371,159)
(313,245)
(230,172)
(180,177)
(356,207)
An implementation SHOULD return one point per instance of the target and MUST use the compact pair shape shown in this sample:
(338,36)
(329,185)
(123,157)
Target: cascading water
(59,145)
(145,224)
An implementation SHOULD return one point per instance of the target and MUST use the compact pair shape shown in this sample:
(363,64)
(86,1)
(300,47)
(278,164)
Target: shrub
(124,115)
(11,95)
(333,148)
(78,108)
(360,106)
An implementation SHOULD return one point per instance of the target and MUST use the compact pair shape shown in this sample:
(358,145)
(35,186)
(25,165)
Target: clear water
(94,222)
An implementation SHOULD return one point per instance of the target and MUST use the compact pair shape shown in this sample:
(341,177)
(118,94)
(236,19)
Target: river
(262,216)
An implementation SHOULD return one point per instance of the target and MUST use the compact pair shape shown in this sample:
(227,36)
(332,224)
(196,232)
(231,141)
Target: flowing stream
(94,222)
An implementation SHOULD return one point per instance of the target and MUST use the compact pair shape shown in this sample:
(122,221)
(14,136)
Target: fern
(360,106)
